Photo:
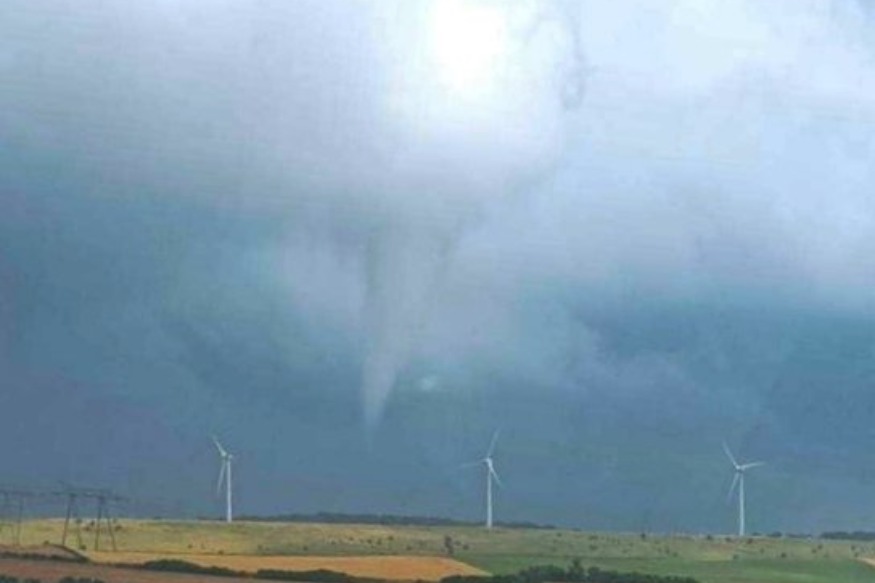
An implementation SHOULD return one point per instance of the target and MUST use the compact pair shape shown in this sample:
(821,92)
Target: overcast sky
(355,238)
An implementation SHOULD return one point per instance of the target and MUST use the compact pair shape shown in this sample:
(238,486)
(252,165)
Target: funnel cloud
(482,111)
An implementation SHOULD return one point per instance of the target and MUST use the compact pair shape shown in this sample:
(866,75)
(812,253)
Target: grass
(709,559)
(710,571)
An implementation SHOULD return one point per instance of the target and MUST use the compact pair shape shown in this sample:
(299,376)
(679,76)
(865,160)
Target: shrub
(177,566)
(575,574)
(316,576)
(79,580)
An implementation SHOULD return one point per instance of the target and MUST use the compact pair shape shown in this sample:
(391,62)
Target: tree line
(385,520)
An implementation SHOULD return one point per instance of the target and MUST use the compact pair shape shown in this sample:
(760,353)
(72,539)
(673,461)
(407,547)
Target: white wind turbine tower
(738,480)
(491,474)
(225,474)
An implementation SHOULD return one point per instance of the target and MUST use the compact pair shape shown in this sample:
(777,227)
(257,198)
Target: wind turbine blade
(495,477)
(470,464)
(492,444)
(219,447)
(729,455)
(221,478)
(751,465)
(732,487)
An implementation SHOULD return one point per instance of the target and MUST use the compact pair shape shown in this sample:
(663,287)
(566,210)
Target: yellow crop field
(379,567)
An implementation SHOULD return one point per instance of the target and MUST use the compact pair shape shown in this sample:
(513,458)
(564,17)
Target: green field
(709,559)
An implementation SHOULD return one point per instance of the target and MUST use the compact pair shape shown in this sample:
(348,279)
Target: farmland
(408,567)
(51,571)
(414,552)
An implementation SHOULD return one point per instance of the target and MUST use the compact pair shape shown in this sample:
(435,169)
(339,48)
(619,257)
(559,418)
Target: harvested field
(379,567)
(49,571)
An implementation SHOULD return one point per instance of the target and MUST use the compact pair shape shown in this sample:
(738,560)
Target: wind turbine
(491,474)
(738,480)
(225,474)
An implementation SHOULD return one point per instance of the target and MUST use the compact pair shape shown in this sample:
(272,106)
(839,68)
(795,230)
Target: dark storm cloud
(346,122)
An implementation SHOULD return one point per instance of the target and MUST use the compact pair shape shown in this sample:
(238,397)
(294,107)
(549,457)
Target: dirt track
(49,571)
